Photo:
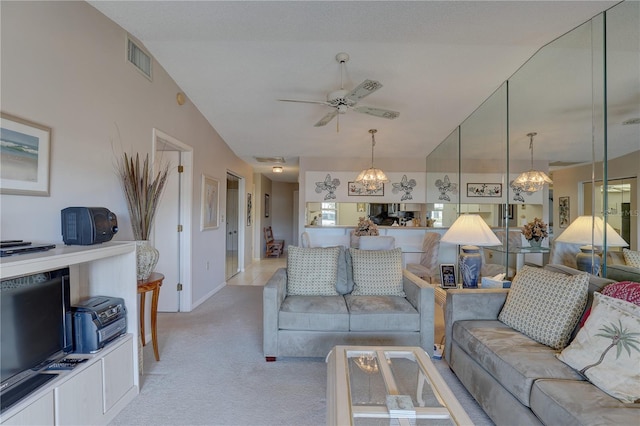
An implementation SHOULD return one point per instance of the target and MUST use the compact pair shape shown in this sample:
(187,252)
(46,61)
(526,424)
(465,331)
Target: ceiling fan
(342,100)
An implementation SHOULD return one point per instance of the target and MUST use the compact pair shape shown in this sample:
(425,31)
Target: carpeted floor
(212,372)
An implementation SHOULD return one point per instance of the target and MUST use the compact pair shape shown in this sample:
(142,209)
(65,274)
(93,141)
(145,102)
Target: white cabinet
(95,391)
(38,413)
(78,401)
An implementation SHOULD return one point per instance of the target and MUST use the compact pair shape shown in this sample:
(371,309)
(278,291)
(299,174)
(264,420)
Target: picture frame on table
(210,203)
(448,275)
(24,156)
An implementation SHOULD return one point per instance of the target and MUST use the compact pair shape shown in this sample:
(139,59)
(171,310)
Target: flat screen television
(36,329)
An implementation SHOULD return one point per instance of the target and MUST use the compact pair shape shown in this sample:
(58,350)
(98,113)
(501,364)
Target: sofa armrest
(274,292)
(623,273)
(471,304)
(421,295)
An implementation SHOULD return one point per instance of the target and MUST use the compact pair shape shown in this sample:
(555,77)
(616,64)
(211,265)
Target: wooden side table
(153,283)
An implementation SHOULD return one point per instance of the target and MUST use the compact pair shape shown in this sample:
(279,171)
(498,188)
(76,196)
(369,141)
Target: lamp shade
(470,229)
(589,230)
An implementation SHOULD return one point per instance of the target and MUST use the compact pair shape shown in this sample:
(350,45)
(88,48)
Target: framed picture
(24,156)
(249,208)
(563,212)
(448,275)
(362,207)
(210,214)
(357,190)
(266,205)
(493,190)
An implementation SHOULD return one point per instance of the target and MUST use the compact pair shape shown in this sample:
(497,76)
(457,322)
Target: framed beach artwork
(24,156)
(267,206)
(210,209)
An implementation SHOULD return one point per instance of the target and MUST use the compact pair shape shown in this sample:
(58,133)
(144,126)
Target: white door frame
(242,217)
(186,202)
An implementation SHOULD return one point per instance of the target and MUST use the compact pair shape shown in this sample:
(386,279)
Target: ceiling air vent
(270,160)
(139,57)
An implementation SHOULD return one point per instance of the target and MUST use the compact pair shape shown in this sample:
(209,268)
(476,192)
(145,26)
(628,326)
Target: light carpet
(212,372)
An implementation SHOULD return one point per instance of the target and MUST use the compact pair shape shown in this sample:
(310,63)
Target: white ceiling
(437,61)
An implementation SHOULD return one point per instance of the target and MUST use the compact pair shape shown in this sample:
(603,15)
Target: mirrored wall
(572,111)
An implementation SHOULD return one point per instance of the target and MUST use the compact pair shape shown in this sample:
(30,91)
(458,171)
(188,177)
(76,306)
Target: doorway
(232,258)
(172,227)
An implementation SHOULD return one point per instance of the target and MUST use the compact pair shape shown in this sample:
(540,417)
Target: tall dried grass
(142,190)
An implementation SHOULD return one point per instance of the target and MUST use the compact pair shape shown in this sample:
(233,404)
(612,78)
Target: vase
(146,259)
(470,263)
(535,242)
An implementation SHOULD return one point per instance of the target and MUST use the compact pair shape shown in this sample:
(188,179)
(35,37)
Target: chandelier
(372,179)
(533,180)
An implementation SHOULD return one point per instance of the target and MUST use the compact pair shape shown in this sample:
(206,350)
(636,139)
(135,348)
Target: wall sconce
(277,169)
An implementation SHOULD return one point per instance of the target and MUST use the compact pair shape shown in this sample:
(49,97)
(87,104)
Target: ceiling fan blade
(327,118)
(365,88)
(305,102)
(378,112)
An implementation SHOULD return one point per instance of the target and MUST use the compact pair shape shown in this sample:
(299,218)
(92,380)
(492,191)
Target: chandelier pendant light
(533,180)
(372,179)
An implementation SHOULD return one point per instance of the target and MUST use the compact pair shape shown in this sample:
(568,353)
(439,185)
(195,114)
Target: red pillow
(624,290)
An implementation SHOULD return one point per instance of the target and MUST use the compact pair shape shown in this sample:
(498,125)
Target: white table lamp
(589,230)
(470,231)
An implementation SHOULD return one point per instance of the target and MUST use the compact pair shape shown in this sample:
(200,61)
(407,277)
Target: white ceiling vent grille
(139,57)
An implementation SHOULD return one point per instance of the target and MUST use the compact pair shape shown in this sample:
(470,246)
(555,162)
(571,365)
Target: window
(329,214)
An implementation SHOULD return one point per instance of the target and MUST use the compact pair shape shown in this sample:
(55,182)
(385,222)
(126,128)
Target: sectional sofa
(340,296)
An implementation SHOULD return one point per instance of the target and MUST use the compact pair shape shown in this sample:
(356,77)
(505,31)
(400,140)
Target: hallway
(259,272)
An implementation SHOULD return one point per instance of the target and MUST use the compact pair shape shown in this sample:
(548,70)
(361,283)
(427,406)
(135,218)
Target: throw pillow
(312,271)
(624,290)
(607,349)
(545,305)
(344,283)
(631,258)
(377,272)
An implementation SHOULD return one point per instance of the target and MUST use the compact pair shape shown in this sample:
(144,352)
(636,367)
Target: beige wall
(63,66)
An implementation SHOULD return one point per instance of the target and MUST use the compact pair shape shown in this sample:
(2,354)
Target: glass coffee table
(371,385)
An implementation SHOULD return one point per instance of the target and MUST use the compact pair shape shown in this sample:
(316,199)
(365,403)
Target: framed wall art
(249,208)
(357,190)
(493,190)
(267,207)
(210,210)
(448,275)
(564,215)
(24,156)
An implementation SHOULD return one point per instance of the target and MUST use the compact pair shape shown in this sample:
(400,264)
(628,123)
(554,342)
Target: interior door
(233,220)
(167,237)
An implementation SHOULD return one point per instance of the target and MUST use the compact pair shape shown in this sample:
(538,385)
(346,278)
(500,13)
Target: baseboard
(204,298)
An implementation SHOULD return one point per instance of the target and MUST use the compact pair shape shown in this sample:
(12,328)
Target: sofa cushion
(631,258)
(381,313)
(324,313)
(512,358)
(344,283)
(545,305)
(563,402)
(377,272)
(607,348)
(312,271)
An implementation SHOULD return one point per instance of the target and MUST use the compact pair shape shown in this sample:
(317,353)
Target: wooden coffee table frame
(340,411)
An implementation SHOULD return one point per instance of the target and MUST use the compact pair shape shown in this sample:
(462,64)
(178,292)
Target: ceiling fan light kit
(533,180)
(372,179)
(342,100)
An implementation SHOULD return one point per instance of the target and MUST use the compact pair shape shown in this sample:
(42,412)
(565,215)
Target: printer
(97,321)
